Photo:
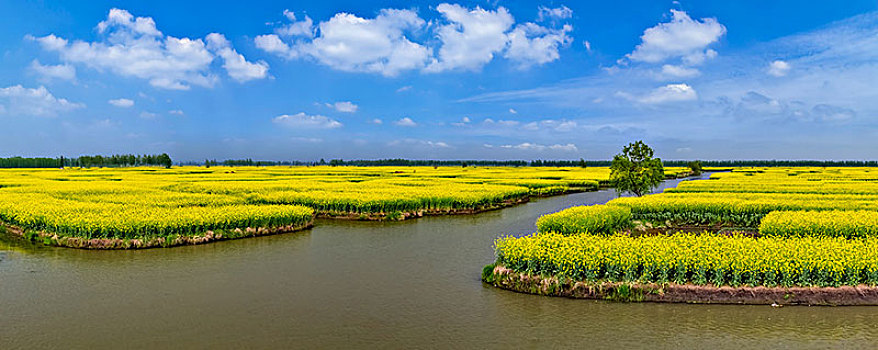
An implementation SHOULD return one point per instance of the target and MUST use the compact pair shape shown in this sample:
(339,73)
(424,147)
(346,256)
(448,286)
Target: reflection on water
(355,284)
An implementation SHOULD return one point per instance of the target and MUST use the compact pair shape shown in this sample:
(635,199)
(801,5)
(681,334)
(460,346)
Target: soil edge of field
(504,278)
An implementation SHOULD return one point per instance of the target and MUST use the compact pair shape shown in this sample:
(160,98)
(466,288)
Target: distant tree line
(774,163)
(97,161)
(165,161)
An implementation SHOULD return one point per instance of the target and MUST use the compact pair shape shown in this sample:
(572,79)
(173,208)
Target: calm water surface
(412,284)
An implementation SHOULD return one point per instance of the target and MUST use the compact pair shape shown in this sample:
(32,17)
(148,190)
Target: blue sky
(455,80)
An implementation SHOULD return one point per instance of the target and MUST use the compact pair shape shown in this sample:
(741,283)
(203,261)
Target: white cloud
(527,146)
(682,37)
(670,93)
(350,43)
(553,14)
(466,39)
(673,71)
(684,150)
(134,47)
(307,139)
(176,112)
(304,28)
(501,122)
(121,18)
(148,115)
(17,100)
(404,88)
(513,111)
(531,44)
(463,122)
(471,38)
(406,121)
(49,72)
(235,64)
(428,143)
(304,121)
(377,121)
(272,44)
(345,106)
(121,102)
(778,68)
(551,124)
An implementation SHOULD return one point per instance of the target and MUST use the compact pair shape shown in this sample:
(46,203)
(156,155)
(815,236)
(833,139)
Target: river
(349,284)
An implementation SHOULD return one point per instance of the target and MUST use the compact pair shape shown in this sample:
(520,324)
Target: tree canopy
(635,170)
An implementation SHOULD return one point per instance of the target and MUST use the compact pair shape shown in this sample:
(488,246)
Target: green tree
(582,163)
(635,170)
(695,166)
(165,160)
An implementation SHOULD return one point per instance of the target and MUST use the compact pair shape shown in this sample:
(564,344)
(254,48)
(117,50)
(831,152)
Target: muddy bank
(419,213)
(398,216)
(53,239)
(502,277)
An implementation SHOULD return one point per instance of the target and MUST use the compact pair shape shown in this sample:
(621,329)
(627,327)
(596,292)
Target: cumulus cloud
(682,38)
(17,100)
(49,72)
(304,121)
(406,121)
(345,106)
(304,28)
(350,43)
(471,38)
(134,47)
(234,63)
(463,122)
(531,44)
(377,121)
(557,13)
(272,44)
(527,146)
(670,93)
(778,68)
(121,102)
(466,39)
(176,112)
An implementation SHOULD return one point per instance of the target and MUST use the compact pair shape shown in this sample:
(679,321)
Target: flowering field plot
(143,207)
(775,227)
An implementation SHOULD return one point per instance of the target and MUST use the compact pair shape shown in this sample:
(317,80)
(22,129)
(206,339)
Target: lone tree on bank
(635,170)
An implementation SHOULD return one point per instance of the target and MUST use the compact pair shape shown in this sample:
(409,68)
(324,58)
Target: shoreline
(441,212)
(501,277)
(52,239)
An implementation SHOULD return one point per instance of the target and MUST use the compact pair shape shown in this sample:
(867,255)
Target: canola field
(762,227)
(170,206)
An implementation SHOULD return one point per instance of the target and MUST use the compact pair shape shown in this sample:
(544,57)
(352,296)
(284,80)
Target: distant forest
(118,160)
(165,161)
(545,163)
